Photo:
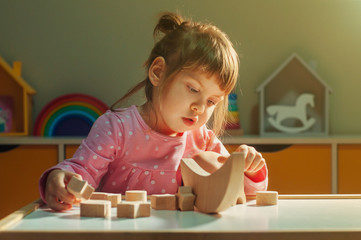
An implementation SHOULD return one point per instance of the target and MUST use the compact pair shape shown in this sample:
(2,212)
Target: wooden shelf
(245,139)
(256,139)
(32,140)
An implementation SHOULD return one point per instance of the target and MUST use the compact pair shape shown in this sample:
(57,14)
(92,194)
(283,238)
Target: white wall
(98,47)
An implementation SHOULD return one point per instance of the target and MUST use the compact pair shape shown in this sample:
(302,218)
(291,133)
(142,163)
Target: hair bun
(168,22)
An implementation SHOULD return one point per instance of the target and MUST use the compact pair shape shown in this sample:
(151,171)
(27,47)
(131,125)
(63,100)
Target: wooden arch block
(220,190)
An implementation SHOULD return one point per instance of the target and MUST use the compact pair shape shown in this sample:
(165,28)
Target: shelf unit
(334,141)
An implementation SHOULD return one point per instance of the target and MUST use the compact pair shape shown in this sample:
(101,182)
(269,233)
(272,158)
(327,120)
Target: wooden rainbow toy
(69,115)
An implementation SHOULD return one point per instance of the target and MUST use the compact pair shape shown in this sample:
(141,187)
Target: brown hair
(192,45)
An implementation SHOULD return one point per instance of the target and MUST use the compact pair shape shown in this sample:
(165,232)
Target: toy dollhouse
(294,101)
(15,101)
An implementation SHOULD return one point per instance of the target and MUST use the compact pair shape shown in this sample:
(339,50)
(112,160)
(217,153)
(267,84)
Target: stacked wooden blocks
(134,206)
(100,204)
(185,198)
(112,197)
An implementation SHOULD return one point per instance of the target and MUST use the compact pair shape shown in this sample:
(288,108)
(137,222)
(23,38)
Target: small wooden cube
(163,202)
(185,198)
(186,201)
(95,208)
(133,209)
(136,195)
(99,196)
(80,188)
(184,189)
(114,198)
(266,198)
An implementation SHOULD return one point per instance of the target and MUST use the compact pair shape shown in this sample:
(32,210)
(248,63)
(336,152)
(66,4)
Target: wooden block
(114,198)
(184,189)
(186,201)
(80,188)
(220,190)
(99,196)
(95,208)
(185,198)
(133,209)
(266,198)
(163,202)
(136,195)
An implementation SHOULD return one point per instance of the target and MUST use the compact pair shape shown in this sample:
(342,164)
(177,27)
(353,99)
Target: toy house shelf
(15,101)
(294,101)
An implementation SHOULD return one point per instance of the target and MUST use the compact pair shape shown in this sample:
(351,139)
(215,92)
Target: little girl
(190,72)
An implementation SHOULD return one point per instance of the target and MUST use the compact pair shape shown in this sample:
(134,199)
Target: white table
(290,219)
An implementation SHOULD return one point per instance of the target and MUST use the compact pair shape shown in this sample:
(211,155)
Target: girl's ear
(157,70)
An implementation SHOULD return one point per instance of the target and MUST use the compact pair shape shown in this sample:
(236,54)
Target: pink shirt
(122,153)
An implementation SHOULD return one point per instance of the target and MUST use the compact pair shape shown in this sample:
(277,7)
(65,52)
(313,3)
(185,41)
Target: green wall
(98,47)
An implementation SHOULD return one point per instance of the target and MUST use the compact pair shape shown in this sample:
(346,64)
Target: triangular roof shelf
(285,63)
(16,76)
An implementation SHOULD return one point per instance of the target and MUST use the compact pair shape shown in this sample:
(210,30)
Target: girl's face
(188,102)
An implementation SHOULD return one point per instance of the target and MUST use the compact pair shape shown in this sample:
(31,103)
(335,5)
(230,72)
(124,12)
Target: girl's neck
(149,115)
(145,113)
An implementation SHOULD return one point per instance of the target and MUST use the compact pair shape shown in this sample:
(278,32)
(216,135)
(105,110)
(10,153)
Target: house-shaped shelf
(15,99)
(294,101)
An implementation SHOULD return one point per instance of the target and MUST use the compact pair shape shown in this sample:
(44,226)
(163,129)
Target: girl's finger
(66,197)
(257,158)
(260,165)
(250,157)
(58,205)
(242,148)
(257,164)
(69,175)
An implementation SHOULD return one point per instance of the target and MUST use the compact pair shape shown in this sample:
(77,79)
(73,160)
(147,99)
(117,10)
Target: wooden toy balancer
(220,190)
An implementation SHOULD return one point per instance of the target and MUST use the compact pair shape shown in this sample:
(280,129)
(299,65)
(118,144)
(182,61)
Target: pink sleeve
(95,153)
(258,183)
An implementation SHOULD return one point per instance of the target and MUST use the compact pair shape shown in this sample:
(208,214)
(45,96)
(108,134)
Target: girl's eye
(210,102)
(193,89)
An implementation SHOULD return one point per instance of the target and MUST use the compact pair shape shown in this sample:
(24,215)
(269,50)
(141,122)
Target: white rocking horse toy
(280,113)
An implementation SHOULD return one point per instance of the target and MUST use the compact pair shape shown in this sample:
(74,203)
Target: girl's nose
(197,108)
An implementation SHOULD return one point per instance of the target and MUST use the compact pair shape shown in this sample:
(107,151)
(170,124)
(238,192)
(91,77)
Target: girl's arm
(92,158)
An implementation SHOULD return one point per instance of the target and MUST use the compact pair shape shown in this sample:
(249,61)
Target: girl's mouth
(189,121)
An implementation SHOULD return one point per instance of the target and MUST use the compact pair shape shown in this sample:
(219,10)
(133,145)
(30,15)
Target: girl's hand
(254,160)
(56,194)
